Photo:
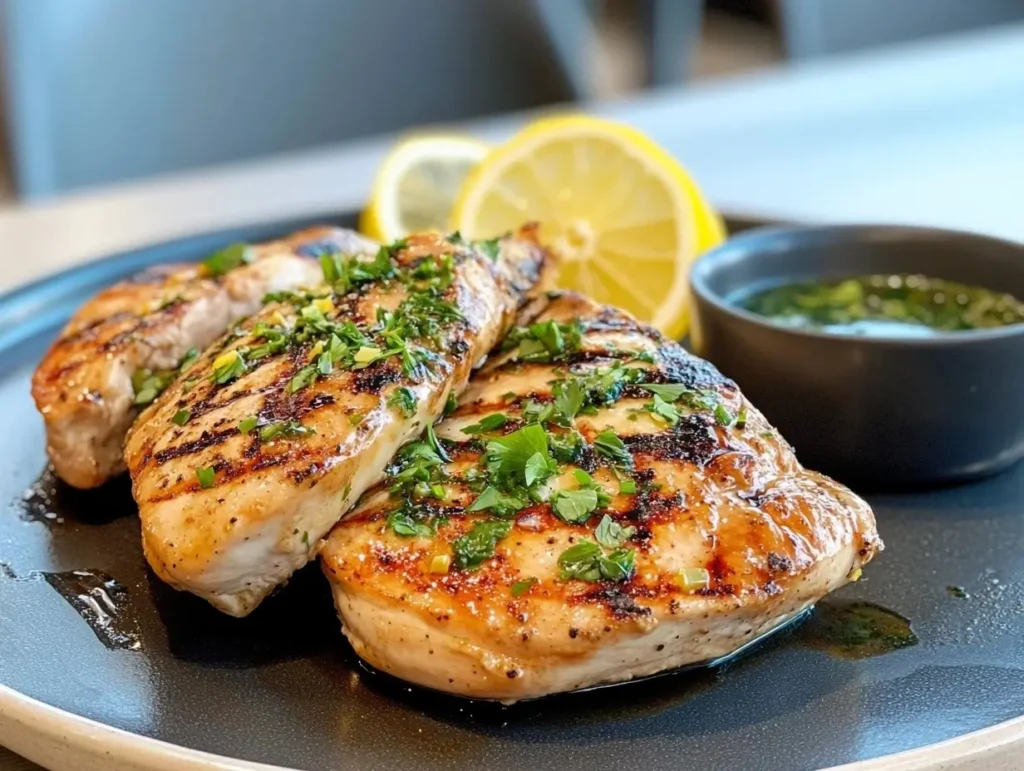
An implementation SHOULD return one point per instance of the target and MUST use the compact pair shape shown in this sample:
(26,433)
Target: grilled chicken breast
(241,467)
(601,506)
(129,341)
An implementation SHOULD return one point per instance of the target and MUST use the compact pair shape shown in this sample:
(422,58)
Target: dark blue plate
(283,687)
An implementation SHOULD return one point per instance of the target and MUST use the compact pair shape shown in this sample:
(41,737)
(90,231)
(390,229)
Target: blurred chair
(103,90)
(820,27)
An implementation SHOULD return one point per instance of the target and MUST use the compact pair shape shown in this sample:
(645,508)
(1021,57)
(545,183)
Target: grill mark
(693,440)
(93,327)
(678,366)
(205,440)
(620,604)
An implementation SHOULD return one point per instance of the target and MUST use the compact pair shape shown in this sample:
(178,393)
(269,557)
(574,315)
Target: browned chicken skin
(238,473)
(693,531)
(141,330)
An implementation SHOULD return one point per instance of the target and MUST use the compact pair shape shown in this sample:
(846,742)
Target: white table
(927,134)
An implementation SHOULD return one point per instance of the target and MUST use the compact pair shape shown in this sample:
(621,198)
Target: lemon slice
(417,184)
(624,216)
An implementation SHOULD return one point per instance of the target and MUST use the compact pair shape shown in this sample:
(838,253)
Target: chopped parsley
(206,476)
(404,399)
(545,341)
(608,445)
(611,535)
(487,424)
(663,410)
(149,384)
(722,415)
(741,418)
(227,259)
(248,424)
(181,417)
(575,506)
(587,561)
(479,543)
(627,487)
(404,523)
(284,429)
(502,504)
(490,248)
(451,405)
(519,588)
(227,367)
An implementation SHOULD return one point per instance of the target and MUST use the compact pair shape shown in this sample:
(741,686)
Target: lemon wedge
(625,217)
(417,183)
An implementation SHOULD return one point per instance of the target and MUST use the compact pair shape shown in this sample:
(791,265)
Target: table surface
(924,134)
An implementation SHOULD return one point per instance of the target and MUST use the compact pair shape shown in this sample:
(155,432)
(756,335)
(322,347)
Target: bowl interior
(760,259)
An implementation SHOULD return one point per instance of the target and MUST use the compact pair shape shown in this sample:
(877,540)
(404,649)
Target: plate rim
(45,734)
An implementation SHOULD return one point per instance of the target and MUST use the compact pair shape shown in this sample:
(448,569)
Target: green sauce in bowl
(896,305)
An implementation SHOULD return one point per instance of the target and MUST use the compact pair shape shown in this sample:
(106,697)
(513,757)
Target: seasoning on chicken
(130,341)
(240,467)
(601,506)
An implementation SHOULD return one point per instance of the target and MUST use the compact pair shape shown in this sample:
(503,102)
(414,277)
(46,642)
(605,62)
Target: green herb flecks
(519,588)
(227,259)
(404,400)
(206,476)
(545,341)
(487,424)
(587,561)
(286,429)
(181,417)
(479,543)
(611,535)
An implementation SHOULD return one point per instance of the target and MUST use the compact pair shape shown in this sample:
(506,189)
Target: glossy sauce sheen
(733,501)
(271,500)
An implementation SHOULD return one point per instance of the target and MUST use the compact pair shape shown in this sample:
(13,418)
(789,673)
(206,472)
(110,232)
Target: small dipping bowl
(875,410)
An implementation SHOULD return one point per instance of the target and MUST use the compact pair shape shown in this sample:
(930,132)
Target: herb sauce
(851,629)
(897,305)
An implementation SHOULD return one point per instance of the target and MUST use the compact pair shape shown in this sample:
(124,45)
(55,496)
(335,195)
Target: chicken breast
(127,343)
(241,467)
(601,506)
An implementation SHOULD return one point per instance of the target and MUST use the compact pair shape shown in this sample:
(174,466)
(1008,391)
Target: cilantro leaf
(569,399)
(479,543)
(435,444)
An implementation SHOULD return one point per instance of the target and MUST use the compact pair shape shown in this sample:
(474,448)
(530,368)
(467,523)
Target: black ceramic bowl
(871,409)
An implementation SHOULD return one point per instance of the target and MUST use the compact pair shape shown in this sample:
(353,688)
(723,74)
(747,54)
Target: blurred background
(104,91)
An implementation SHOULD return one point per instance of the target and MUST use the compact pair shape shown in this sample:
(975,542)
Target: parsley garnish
(479,543)
(491,248)
(722,415)
(627,487)
(662,410)
(248,424)
(227,367)
(284,429)
(181,417)
(519,588)
(586,561)
(404,399)
(545,341)
(403,523)
(741,418)
(575,506)
(508,457)
(611,535)
(227,259)
(501,504)
(206,476)
(451,405)
(608,445)
(489,423)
